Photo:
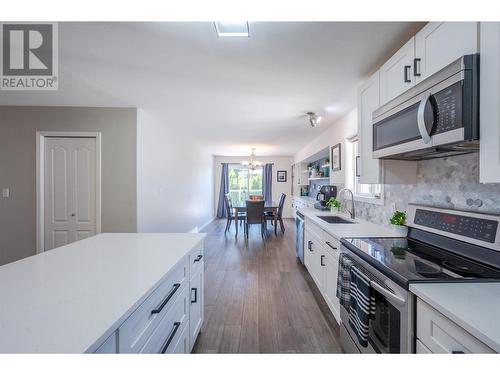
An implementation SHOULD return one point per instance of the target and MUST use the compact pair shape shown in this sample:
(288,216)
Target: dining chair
(231,213)
(278,215)
(255,215)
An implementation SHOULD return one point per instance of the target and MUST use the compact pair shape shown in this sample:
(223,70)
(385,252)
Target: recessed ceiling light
(229,29)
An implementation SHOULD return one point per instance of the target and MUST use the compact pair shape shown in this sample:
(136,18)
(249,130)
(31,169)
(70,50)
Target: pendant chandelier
(252,163)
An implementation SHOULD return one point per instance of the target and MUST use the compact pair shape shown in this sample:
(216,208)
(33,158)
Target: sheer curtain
(224,189)
(267,183)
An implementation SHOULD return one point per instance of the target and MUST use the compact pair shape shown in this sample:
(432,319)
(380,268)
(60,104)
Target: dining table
(242,207)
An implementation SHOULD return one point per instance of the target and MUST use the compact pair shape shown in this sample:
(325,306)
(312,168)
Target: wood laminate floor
(260,299)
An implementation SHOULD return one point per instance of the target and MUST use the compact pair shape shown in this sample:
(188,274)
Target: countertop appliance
(299,236)
(442,245)
(435,118)
(325,193)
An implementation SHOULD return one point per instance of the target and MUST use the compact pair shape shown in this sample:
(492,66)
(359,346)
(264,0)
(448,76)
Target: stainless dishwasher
(299,236)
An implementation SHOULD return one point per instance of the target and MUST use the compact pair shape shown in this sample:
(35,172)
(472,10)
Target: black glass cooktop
(407,260)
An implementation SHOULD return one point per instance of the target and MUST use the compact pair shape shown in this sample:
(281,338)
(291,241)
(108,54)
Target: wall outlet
(5,193)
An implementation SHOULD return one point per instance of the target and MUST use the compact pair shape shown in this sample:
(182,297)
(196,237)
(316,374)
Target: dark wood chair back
(255,212)
(281,205)
(227,203)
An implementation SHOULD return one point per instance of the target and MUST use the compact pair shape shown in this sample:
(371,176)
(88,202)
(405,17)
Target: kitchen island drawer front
(108,346)
(134,332)
(183,344)
(165,337)
(196,259)
(421,348)
(440,335)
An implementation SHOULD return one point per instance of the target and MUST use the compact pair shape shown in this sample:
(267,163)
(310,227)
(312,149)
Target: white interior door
(69,190)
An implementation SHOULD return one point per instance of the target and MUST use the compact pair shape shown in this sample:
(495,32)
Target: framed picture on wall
(335,157)
(281,176)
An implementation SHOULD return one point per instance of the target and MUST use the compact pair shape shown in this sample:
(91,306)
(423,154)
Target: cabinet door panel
(440,43)
(330,287)
(368,101)
(392,73)
(489,111)
(196,307)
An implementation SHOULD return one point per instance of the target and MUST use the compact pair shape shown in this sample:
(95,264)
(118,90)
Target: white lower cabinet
(331,270)
(321,258)
(109,346)
(165,337)
(438,334)
(196,305)
(170,318)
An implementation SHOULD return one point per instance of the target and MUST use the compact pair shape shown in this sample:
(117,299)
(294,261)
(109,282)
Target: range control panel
(473,227)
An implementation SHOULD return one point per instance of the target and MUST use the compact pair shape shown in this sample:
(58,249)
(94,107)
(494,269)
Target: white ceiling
(227,94)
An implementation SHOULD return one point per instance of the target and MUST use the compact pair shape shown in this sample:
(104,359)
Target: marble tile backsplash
(451,182)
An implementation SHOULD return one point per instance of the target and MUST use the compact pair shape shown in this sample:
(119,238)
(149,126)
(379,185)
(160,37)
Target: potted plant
(333,204)
(398,221)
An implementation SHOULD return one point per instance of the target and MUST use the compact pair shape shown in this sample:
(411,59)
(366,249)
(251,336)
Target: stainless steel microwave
(435,118)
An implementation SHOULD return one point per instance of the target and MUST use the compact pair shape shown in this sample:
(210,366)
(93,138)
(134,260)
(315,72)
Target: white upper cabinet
(370,170)
(440,43)
(396,75)
(489,108)
(368,101)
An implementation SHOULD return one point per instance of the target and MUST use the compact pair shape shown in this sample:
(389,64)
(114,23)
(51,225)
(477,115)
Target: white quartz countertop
(306,199)
(69,299)
(360,228)
(473,306)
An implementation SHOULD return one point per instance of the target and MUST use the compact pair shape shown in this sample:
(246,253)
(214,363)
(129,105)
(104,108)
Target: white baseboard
(203,227)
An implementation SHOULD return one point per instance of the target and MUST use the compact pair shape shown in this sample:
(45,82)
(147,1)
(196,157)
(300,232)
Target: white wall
(281,163)
(175,179)
(343,129)
(18,127)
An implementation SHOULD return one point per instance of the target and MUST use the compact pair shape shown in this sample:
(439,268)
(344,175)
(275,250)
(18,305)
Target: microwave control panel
(447,105)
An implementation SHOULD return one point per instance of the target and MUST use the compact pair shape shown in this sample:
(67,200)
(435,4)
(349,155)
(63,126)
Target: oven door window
(385,327)
(397,129)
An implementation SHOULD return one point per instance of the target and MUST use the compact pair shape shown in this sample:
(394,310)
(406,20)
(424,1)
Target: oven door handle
(390,296)
(422,128)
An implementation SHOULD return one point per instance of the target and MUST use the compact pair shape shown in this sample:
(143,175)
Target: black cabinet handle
(457,352)
(309,245)
(195,290)
(407,73)
(416,67)
(321,260)
(329,244)
(167,298)
(170,337)
(198,258)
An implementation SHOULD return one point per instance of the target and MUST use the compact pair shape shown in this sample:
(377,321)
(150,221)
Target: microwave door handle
(390,296)
(426,137)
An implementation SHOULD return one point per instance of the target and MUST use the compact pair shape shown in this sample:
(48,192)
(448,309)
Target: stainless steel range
(442,246)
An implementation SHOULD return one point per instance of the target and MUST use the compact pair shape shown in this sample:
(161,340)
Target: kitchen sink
(335,220)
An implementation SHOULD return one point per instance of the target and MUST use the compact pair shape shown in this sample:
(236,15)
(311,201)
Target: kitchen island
(110,293)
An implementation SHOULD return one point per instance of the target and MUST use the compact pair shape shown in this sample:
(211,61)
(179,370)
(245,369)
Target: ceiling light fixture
(231,29)
(252,163)
(314,119)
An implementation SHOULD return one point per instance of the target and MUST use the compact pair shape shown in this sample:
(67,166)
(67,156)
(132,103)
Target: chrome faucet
(351,212)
